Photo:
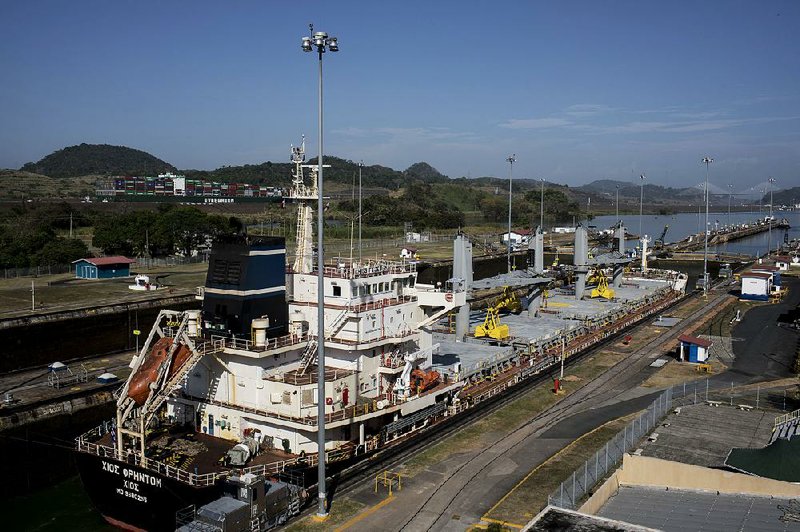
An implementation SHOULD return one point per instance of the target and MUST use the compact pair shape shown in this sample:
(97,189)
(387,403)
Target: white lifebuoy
(449,296)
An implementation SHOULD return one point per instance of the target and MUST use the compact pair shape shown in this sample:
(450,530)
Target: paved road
(455,493)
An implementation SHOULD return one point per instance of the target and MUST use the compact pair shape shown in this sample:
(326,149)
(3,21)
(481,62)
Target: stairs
(309,356)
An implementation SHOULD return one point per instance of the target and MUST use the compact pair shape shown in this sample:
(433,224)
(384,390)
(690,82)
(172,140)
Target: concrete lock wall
(654,472)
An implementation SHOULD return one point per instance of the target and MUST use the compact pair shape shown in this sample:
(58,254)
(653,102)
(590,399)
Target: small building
(693,349)
(772,270)
(756,286)
(103,267)
(408,253)
(782,262)
(519,236)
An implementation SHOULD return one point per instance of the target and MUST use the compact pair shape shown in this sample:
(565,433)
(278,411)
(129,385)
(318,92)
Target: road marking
(364,514)
(504,523)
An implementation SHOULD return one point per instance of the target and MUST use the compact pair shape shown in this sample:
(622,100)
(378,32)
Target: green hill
(98,159)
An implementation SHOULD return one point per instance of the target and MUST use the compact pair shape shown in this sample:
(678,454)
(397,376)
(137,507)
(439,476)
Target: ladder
(309,356)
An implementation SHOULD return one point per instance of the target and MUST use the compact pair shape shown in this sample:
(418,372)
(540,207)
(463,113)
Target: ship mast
(303,195)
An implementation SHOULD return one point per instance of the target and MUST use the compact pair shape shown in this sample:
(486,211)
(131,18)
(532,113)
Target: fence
(142,263)
(606,459)
(570,492)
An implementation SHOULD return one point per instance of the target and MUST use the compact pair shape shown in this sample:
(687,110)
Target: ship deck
(199,453)
(563,313)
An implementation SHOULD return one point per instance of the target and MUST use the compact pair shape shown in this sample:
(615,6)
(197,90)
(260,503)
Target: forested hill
(341,170)
(102,159)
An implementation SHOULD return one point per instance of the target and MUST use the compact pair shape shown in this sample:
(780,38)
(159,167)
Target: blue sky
(578,90)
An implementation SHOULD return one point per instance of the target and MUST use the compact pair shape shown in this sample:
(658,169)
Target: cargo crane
(659,242)
(602,289)
(491,324)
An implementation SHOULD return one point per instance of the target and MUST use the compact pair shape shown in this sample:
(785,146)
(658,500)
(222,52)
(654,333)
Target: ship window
(287,397)
(374,288)
(337,291)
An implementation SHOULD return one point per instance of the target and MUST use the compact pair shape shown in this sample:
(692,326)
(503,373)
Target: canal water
(684,224)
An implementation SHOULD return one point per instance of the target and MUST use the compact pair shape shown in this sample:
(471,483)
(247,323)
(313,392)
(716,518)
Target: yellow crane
(491,324)
(602,289)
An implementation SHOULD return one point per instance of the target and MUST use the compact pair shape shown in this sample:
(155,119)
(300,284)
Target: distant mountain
(425,172)
(789,196)
(341,170)
(102,159)
(600,186)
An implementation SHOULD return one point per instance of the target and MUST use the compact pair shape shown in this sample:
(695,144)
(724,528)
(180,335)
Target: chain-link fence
(141,263)
(606,459)
(746,397)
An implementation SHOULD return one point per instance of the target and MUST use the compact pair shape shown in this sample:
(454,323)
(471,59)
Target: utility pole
(70,224)
(541,208)
(360,166)
(33,295)
(707,160)
(769,230)
(511,158)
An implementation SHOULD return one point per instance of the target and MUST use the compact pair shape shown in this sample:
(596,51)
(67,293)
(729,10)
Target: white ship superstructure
(375,337)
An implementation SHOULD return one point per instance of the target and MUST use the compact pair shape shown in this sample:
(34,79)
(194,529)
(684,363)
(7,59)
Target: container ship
(217,423)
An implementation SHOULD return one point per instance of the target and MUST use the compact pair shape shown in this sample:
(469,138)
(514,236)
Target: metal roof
(694,340)
(105,261)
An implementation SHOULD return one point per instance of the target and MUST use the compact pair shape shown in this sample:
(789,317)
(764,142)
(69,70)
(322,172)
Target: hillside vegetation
(101,159)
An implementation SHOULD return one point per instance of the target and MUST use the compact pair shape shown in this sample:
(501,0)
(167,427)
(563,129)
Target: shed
(774,271)
(408,253)
(756,286)
(782,262)
(519,236)
(103,267)
(693,349)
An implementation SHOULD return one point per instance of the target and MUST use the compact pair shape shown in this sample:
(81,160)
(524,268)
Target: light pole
(541,208)
(707,160)
(769,229)
(360,166)
(322,43)
(511,160)
(730,196)
(641,204)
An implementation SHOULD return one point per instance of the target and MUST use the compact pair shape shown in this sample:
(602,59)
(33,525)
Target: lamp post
(320,42)
(511,160)
(541,208)
(769,229)
(360,166)
(707,160)
(641,204)
(730,196)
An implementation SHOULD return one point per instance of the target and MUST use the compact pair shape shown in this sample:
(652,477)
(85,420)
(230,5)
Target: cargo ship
(226,395)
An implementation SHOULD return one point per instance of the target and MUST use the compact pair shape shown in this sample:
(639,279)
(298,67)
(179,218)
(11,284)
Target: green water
(58,508)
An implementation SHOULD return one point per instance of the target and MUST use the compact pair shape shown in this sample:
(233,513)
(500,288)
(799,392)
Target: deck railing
(209,479)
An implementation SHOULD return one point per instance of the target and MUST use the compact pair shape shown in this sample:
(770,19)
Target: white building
(518,237)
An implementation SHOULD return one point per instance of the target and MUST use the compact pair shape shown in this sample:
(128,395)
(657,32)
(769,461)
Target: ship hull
(134,498)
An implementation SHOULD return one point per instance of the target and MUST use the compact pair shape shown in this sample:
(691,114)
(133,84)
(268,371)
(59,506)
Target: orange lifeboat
(139,388)
(425,380)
